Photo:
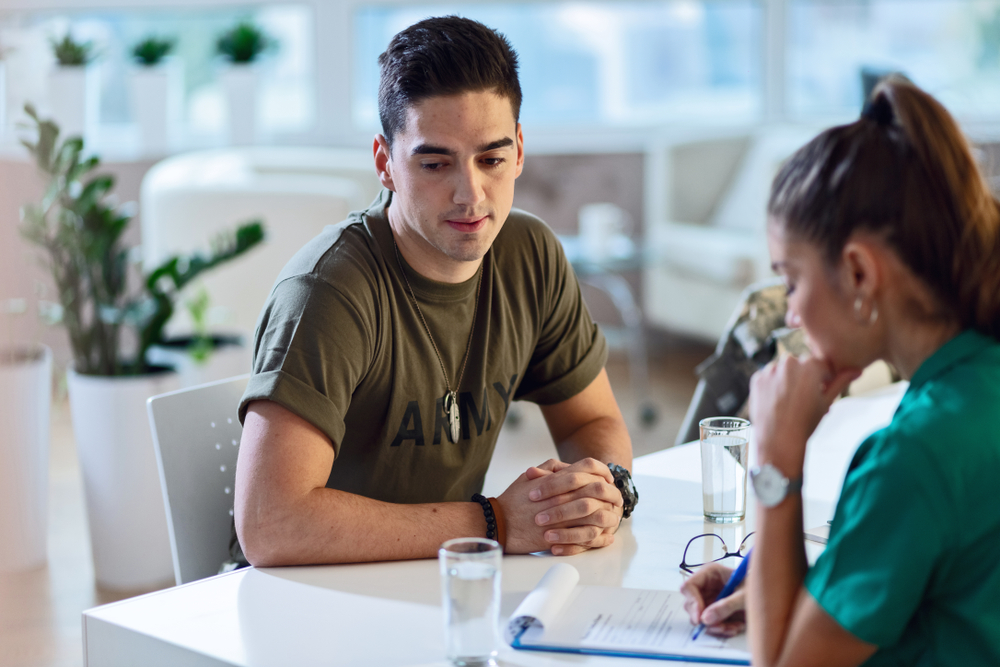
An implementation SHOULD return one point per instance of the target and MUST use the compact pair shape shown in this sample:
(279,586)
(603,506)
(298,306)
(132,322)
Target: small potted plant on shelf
(74,88)
(157,89)
(113,315)
(241,48)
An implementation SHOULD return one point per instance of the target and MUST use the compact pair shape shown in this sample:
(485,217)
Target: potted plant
(74,88)
(157,88)
(112,324)
(241,48)
(25,401)
(203,355)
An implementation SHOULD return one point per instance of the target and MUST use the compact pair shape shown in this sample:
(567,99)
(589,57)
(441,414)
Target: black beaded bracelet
(491,520)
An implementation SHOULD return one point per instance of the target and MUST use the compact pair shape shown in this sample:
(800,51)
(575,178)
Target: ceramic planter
(157,92)
(239,82)
(74,99)
(125,512)
(25,401)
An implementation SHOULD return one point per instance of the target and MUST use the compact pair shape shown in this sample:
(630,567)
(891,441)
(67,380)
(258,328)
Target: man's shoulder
(525,236)
(340,255)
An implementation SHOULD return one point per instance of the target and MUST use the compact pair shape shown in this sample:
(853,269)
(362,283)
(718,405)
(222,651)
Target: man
(392,344)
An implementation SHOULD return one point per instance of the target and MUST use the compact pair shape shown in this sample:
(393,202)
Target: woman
(889,242)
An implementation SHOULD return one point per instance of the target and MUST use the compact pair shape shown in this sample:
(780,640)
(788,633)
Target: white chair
(706,200)
(188,199)
(196,434)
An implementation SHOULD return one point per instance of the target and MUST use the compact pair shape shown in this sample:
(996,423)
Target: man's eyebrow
(499,143)
(428,149)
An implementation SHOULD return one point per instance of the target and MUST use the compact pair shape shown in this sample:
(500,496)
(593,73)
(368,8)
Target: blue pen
(735,579)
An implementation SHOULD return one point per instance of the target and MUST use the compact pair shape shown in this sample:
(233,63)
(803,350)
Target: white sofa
(706,197)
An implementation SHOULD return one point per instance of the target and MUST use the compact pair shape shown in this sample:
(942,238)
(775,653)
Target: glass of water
(724,452)
(470,596)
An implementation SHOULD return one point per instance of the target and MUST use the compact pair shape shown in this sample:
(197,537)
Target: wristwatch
(623,480)
(771,486)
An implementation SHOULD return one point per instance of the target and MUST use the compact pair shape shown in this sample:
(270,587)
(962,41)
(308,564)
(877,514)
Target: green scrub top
(912,564)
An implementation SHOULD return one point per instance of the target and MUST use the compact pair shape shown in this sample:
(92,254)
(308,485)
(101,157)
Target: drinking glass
(470,596)
(724,452)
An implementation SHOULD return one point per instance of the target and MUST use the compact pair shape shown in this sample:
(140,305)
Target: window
(951,48)
(287,90)
(601,63)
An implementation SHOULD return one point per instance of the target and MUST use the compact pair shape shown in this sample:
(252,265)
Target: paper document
(561,615)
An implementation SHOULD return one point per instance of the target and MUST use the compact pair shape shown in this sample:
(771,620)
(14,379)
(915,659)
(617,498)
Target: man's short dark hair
(446,55)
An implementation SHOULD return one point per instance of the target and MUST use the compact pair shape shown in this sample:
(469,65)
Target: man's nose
(468,186)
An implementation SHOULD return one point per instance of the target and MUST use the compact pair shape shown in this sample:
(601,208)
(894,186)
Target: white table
(389,613)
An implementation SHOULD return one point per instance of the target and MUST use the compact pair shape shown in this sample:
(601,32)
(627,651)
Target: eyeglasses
(709,548)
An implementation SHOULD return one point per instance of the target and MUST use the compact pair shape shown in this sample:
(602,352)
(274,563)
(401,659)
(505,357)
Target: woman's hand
(788,397)
(724,618)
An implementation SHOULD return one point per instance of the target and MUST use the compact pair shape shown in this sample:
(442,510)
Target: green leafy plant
(152,50)
(71,53)
(80,231)
(244,43)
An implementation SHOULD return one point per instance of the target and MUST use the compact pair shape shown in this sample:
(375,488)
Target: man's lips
(468,225)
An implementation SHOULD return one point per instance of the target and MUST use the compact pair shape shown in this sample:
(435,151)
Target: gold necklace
(450,400)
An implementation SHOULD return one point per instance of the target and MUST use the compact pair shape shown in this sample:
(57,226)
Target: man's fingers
(567,482)
(536,472)
(584,510)
(553,465)
(573,535)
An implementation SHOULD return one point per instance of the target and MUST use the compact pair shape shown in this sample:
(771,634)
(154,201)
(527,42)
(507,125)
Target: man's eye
(494,161)
(431,166)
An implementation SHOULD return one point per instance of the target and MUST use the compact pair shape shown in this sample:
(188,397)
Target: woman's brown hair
(905,172)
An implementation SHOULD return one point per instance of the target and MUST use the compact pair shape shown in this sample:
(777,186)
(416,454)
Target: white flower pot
(25,400)
(75,99)
(239,82)
(125,512)
(157,92)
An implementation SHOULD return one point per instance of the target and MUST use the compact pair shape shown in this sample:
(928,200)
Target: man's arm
(590,425)
(589,432)
(285,515)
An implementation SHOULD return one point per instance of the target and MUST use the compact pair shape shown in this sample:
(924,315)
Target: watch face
(769,485)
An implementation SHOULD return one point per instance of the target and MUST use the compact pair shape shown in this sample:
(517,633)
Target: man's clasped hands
(562,507)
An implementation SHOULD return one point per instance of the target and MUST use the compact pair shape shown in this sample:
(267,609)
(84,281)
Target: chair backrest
(196,433)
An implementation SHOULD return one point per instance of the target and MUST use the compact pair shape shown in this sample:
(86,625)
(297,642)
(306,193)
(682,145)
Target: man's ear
(861,268)
(383,162)
(520,151)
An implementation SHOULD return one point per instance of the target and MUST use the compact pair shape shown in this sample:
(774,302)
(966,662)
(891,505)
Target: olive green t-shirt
(912,560)
(340,344)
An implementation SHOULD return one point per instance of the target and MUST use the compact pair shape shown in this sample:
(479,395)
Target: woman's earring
(872,317)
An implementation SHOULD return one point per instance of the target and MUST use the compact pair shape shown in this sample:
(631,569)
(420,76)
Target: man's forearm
(331,526)
(605,439)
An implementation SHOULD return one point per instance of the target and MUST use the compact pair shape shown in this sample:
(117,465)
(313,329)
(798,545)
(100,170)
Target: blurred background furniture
(706,200)
(196,435)
(188,199)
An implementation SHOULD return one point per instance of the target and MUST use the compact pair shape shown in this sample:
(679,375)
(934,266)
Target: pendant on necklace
(451,413)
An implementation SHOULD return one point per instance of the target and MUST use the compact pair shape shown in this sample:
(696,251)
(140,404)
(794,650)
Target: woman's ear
(861,268)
